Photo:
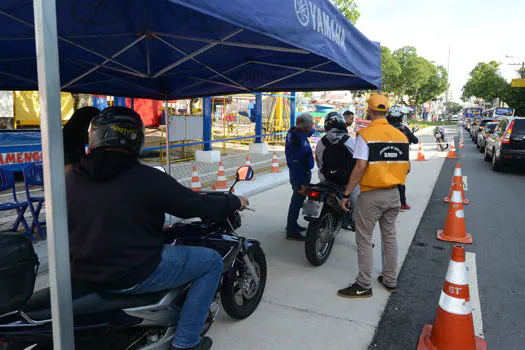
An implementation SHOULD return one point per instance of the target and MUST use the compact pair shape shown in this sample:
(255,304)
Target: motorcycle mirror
(160,168)
(245,173)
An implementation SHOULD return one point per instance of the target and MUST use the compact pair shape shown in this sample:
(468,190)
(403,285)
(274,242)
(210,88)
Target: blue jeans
(180,265)
(296,204)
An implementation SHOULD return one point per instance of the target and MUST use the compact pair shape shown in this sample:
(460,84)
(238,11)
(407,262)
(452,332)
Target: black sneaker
(205,344)
(295,236)
(355,291)
(390,289)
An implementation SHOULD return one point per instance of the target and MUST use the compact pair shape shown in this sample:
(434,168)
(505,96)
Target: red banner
(20,157)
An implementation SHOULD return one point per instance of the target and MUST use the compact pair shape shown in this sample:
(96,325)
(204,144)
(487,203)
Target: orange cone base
(447,200)
(420,159)
(442,237)
(426,344)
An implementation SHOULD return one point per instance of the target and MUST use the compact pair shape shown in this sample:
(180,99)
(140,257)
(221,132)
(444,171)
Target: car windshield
(490,128)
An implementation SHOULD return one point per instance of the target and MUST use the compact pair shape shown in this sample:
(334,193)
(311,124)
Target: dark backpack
(338,161)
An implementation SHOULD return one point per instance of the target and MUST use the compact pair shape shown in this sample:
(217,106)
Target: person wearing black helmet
(116,209)
(395,118)
(334,154)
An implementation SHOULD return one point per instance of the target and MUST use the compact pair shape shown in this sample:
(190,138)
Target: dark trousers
(296,203)
(402,194)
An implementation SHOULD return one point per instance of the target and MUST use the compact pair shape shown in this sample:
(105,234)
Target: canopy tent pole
(292,110)
(167,117)
(54,181)
(258,117)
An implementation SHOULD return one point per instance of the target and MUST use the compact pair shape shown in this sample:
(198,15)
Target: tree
(454,107)
(390,70)
(485,82)
(348,8)
(435,85)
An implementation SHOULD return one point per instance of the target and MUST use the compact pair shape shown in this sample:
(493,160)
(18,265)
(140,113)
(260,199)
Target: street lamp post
(521,71)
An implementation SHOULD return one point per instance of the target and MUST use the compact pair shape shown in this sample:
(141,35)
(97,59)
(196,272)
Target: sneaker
(390,289)
(405,207)
(355,291)
(295,236)
(205,344)
(301,229)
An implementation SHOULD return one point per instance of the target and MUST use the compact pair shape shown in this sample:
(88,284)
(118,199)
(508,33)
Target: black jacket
(408,133)
(116,209)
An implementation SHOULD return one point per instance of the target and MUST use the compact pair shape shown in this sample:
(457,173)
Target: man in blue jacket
(300,162)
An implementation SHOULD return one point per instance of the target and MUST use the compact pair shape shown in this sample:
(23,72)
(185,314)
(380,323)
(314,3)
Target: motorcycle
(441,140)
(325,218)
(106,320)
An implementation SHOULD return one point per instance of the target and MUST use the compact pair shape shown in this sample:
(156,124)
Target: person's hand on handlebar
(244,202)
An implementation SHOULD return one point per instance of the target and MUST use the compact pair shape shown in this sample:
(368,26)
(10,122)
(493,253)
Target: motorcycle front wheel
(240,294)
(320,238)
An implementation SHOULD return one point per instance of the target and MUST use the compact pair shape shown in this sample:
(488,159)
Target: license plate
(312,209)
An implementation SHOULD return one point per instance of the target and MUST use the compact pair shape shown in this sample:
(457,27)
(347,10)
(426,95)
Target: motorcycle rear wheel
(238,299)
(317,251)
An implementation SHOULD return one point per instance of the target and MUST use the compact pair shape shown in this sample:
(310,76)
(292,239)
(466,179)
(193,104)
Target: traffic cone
(420,154)
(461,144)
(453,327)
(221,179)
(195,181)
(452,152)
(248,162)
(458,179)
(455,229)
(275,164)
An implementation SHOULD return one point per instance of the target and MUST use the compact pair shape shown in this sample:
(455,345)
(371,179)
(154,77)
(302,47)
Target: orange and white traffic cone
(452,152)
(457,179)
(453,327)
(221,184)
(420,154)
(248,162)
(461,144)
(195,181)
(455,229)
(275,164)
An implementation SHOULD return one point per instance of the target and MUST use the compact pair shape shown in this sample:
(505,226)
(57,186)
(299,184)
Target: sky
(475,31)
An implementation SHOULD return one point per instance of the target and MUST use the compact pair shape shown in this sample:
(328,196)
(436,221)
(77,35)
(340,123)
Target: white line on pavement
(474,294)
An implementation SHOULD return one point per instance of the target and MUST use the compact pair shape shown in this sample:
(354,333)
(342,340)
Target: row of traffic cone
(450,155)
(453,326)
(222,183)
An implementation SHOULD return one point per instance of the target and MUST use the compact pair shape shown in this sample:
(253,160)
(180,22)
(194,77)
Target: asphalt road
(496,220)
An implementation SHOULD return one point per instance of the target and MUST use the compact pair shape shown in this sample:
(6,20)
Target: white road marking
(474,294)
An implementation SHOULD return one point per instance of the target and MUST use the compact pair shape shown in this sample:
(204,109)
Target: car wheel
(496,164)
(486,157)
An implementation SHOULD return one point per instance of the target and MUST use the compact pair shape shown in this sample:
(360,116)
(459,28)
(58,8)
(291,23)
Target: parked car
(479,128)
(482,135)
(506,145)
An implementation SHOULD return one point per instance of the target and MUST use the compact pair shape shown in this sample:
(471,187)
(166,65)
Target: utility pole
(448,80)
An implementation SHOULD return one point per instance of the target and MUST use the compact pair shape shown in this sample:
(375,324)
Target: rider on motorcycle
(327,149)
(116,209)
(395,118)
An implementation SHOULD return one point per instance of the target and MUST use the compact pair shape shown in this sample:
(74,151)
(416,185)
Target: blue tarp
(186,48)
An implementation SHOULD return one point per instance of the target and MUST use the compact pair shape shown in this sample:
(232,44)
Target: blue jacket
(299,157)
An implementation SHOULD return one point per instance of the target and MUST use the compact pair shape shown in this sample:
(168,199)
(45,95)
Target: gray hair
(304,121)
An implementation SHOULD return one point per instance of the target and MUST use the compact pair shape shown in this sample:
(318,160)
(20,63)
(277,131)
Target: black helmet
(334,120)
(117,127)
(395,114)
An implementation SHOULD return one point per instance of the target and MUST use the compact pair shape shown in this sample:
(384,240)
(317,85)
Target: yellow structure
(27,108)
(518,83)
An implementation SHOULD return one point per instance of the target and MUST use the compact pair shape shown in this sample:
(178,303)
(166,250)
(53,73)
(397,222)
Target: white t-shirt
(361,149)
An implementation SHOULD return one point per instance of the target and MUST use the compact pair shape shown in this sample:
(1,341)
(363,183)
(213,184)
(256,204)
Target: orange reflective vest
(388,160)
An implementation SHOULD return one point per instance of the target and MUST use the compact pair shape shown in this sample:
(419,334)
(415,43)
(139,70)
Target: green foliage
(454,107)
(406,73)
(487,83)
(348,8)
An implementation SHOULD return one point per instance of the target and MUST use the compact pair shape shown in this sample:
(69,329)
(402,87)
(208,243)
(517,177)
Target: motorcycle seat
(329,185)
(89,302)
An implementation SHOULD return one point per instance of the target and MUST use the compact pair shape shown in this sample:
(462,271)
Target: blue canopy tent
(166,49)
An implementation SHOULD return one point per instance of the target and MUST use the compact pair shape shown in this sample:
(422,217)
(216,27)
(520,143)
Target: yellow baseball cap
(378,103)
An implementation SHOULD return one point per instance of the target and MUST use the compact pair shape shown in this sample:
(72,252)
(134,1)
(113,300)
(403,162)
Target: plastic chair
(34,176)
(7,182)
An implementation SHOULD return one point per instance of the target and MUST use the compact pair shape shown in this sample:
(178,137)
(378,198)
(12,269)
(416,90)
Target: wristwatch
(346,196)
